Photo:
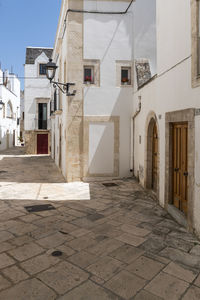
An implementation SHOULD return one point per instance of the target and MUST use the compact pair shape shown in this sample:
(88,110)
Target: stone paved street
(116,242)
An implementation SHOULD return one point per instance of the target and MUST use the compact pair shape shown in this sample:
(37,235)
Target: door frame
(179,125)
(181,116)
(150,121)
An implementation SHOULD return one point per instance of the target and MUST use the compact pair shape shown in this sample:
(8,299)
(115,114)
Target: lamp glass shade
(50,70)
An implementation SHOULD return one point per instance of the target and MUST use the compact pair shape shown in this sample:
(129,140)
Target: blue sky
(25,23)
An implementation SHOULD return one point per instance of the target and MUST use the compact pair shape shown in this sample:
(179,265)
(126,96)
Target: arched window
(9,112)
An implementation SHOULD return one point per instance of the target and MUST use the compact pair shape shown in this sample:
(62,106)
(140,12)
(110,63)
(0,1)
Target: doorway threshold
(178,215)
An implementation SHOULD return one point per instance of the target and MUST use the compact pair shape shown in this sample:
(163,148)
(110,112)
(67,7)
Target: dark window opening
(42,69)
(88,75)
(42,116)
(125,76)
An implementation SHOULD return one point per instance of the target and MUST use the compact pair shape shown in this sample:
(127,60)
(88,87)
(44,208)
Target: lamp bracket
(64,87)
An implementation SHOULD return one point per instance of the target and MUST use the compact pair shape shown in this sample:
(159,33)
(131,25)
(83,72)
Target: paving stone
(104,247)
(167,286)
(107,229)
(197,281)
(186,236)
(178,243)
(97,280)
(177,255)
(65,227)
(67,251)
(63,277)
(15,274)
(76,213)
(82,243)
(29,218)
(31,289)
(89,291)
(158,258)
(79,232)
(52,241)
(134,230)
(105,267)
(181,272)
(126,253)
(125,284)
(19,241)
(22,228)
(5,261)
(25,252)
(131,239)
(195,250)
(42,232)
(193,293)
(83,259)
(5,235)
(4,283)
(83,222)
(144,295)
(145,267)
(39,263)
(153,245)
(5,246)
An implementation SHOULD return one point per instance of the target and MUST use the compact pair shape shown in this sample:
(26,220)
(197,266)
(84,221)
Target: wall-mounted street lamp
(64,87)
(1,104)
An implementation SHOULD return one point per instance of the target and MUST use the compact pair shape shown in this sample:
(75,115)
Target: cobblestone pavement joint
(116,242)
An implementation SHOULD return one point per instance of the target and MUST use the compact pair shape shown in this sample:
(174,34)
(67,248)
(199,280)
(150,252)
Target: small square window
(42,69)
(89,75)
(125,76)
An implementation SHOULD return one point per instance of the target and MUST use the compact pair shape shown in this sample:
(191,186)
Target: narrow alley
(96,242)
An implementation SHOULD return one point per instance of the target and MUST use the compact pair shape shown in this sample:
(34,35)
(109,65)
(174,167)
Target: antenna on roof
(11,69)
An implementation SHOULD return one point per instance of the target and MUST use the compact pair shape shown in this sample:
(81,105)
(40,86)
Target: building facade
(37,94)
(10,110)
(91,130)
(167,122)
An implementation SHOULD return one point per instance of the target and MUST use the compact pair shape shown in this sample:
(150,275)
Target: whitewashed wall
(108,38)
(8,126)
(38,87)
(171,90)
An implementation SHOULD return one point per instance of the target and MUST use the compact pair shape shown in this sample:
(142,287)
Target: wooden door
(155,158)
(180,168)
(42,144)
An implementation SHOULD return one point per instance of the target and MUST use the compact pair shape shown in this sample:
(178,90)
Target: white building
(166,128)
(91,130)
(22,116)
(37,101)
(10,111)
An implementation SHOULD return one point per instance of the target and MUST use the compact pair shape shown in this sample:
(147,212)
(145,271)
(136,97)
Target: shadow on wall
(6,141)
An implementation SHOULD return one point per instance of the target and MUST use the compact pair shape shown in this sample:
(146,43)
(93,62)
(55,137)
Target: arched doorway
(152,167)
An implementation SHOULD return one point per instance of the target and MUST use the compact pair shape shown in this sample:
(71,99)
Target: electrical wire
(96,12)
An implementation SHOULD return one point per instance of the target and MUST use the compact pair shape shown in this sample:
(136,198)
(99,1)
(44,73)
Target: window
(125,76)
(88,74)
(42,69)
(9,110)
(42,116)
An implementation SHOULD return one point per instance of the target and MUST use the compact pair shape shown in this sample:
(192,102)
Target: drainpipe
(133,133)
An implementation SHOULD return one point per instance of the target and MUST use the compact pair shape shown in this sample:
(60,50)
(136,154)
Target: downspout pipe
(133,133)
